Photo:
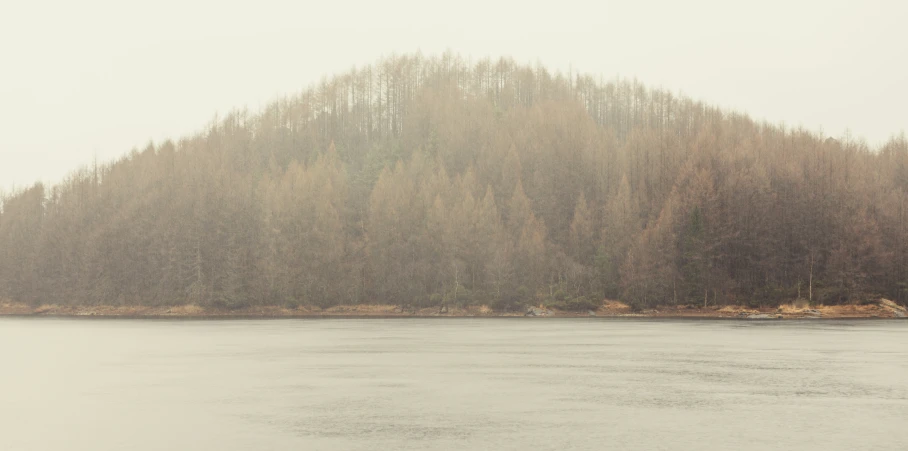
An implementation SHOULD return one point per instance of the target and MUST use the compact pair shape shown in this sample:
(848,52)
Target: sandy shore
(881,309)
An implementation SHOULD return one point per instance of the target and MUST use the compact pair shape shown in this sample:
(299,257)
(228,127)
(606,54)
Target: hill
(433,181)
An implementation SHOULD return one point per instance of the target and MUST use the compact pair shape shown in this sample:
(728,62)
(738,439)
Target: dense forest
(439,181)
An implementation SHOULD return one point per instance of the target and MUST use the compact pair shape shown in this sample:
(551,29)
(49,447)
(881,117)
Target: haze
(97,78)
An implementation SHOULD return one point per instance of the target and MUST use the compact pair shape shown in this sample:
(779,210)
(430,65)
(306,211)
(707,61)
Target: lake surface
(452,384)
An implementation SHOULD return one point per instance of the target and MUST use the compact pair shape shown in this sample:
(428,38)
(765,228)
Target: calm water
(451,384)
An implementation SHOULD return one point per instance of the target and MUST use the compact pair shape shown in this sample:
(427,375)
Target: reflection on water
(442,384)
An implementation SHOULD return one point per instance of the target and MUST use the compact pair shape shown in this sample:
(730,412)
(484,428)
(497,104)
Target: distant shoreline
(881,310)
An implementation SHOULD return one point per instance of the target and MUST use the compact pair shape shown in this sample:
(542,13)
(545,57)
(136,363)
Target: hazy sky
(95,78)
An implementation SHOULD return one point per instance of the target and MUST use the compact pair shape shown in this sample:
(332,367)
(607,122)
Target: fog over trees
(438,181)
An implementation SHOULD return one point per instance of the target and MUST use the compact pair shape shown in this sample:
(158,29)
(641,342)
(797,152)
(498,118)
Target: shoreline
(883,309)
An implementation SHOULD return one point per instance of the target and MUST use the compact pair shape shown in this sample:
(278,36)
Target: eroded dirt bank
(882,309)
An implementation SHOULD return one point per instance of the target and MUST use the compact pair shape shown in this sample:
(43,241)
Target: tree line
(440,181)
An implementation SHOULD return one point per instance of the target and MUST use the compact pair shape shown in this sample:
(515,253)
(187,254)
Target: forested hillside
(430,181)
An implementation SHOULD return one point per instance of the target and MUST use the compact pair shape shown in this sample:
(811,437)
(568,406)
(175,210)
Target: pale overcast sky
(95,78)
